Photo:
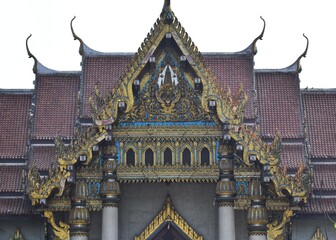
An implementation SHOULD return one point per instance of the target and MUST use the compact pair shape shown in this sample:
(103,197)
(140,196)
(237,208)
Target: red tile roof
(279,104)
(232,71)
(11,178)
(56,106)
(324,177)
(14,113)
(43,157)
(320,115)
(15,206)
(106,70)
(292,154)
(319,205)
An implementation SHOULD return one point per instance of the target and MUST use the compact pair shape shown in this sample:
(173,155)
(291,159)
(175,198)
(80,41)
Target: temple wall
(32,228)
(304,227)
(140,203)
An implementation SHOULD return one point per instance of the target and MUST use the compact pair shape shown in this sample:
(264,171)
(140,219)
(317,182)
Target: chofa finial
(81,47)
(30,55)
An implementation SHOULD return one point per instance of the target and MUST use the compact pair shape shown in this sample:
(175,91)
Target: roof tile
(56,106)
(43,157)
(15,206)
(320,206)
(279,104)
(14,113)
(324,177)
(105,70)
(11,178)
(232,71)
(320,115)
(292,154)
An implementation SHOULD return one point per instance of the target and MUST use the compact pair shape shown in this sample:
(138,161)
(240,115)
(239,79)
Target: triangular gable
(228,108)
(168,215)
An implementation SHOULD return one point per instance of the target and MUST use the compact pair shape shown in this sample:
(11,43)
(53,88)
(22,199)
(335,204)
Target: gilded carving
(42,188)
(167,215)
(318,235)
(276,229)
(17,235)
(61,230)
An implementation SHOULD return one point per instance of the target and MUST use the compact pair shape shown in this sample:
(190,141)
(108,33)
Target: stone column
(257,213)
(79,217)
(226,192)
(110,192)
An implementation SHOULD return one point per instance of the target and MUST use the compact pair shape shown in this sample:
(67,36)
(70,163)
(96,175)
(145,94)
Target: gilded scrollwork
(276,229)
(41,188)
(60,230)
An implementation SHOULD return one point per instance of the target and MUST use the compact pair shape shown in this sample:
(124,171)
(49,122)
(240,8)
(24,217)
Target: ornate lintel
(61,230)
(169,214)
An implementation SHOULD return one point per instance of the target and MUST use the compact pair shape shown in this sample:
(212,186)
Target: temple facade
(168,143)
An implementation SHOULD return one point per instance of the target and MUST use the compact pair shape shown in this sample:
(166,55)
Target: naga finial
(299,68)
(261,35)
(30,55)
(75,36)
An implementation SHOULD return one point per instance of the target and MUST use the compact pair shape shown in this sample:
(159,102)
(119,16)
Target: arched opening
(167,157)
(130,157)
(205,157)
(149,157)
(186,157)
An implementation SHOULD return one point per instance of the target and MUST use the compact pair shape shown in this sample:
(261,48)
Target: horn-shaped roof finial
(30,55)
(81,46)
(167,14)
(261,35)
(298,65)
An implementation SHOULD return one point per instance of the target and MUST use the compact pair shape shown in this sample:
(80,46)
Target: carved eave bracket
(169,215)
(276,230)
(60,230)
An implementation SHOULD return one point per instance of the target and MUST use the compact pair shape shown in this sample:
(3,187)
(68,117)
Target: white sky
(121,26)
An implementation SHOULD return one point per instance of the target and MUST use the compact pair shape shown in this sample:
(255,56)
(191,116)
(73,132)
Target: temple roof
(14,115)
(11,178)
(56,106)
(319,108)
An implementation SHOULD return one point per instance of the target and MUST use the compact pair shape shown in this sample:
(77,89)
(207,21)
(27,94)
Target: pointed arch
(205,156)
(186,157)
(149,157)
(130,157)
(167,157)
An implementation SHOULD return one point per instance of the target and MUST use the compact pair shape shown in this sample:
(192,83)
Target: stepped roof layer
(60,101)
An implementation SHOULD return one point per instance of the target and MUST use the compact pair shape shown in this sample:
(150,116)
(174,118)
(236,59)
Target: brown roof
(56,106)
(104,69)
(279,104)
(14,113)
(320,115)
(15,206)
(319,205)
(11,178)
(232,71)
(43,157)
(324,177)
(292,155)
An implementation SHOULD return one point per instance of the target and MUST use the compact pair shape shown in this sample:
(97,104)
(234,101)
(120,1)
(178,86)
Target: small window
(205,157)
(130,157)
(167,156)
(186,157)
(149,157)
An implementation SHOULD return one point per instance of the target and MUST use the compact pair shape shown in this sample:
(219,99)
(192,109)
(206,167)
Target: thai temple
(168,143)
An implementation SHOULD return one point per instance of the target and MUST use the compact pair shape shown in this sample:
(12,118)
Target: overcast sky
(121,26)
